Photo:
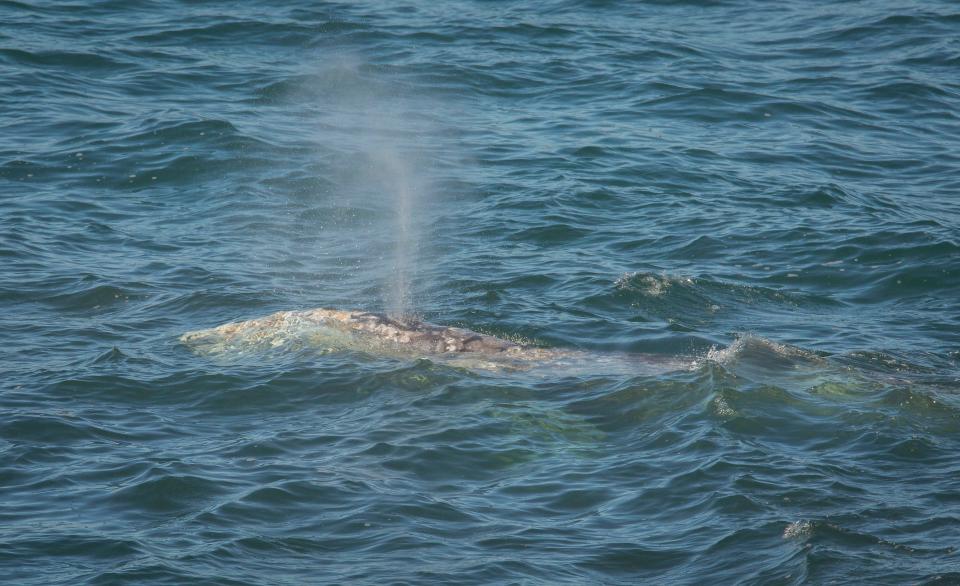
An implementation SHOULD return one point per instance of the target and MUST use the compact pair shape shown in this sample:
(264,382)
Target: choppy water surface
(764,194)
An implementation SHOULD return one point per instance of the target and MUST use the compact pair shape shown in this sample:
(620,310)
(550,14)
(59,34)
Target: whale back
(381,335)
(338,329)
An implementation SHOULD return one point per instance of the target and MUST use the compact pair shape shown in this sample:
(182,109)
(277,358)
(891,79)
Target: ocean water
(765,195)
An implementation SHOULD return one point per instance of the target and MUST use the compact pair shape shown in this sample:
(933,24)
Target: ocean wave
(767,394)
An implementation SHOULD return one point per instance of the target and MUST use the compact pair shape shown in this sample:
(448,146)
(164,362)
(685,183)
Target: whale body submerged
(332,329)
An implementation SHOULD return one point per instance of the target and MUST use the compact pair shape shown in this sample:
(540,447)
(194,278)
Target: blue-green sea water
(764,194)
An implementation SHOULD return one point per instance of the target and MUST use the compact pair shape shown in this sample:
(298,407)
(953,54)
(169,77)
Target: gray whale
(375,333)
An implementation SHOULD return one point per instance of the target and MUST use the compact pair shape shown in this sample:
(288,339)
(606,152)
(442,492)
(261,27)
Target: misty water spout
(403,193)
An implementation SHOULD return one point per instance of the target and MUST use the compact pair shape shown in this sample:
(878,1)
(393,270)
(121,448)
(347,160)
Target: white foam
(723,408)
(650,284)
(798,529)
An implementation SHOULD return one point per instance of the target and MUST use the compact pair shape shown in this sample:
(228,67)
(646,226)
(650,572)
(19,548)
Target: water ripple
(758,199)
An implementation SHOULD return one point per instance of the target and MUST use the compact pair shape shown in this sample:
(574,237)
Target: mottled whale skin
(379,334)
(361,331)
